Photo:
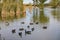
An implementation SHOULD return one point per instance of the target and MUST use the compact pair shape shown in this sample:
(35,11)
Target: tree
(42,3)
(35,2)
(54,3)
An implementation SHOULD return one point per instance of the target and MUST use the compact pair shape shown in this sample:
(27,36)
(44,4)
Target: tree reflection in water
(56,14)
(40,17)
(35,14)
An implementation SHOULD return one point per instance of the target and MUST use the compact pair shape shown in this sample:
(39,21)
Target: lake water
(36,25)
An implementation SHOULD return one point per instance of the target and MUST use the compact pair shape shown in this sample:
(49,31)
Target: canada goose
(21,29)
(32,29)
(28,26)
(13,31)
(20,34)
(27,32)
(44,27)
(31,23)
(37,22)
(22,22)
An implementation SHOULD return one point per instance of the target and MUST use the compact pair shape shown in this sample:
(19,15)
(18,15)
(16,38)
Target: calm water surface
(43,25)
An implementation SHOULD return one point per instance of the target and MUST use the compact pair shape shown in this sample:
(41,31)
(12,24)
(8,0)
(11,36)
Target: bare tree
(42,3)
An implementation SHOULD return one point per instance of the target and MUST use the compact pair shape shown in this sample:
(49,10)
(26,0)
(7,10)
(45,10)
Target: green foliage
(54,3)
(42,1)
